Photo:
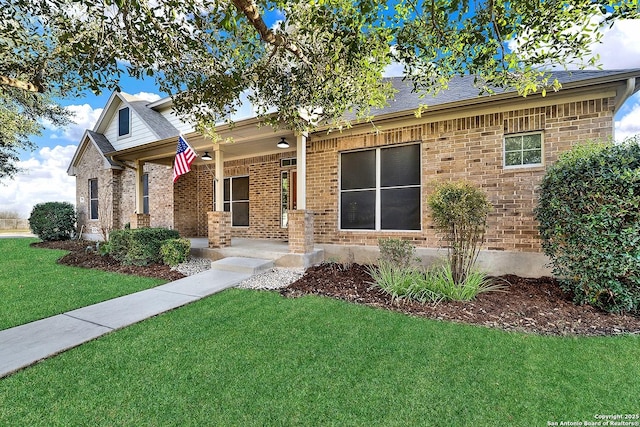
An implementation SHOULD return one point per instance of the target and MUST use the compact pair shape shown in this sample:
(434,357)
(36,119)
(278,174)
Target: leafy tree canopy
(319,60)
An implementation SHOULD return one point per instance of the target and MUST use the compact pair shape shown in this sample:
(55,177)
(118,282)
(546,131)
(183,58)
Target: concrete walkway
(28,344)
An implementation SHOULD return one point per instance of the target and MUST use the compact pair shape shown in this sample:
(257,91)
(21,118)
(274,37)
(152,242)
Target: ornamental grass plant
(400,275)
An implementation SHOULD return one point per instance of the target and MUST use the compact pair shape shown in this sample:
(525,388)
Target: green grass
(33,286)
(247,358)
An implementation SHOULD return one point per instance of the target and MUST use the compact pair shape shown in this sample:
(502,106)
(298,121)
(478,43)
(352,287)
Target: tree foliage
(320,59)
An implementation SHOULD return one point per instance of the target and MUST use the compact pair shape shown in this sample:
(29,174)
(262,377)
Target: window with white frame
(523,150)
(124,122)
(380,189)
(93,198)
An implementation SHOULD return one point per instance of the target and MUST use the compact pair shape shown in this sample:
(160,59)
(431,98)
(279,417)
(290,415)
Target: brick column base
(300,231)
(219,229)
(140,221)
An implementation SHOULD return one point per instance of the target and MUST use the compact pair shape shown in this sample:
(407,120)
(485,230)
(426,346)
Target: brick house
(334,194)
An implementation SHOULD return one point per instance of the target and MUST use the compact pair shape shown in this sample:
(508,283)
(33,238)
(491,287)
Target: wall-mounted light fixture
(283,143)
(206,156)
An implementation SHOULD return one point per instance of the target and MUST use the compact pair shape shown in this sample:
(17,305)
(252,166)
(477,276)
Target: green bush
(589,215)
(139,246)
(175,251)
(459,210)
(53,220)
(119,243)
(397,252)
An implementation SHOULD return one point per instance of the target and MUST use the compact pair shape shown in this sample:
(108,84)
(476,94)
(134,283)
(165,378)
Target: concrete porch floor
(275,250)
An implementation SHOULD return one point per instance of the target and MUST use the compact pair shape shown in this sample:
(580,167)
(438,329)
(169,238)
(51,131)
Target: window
(124,122)
(236,200)
(93,198)
(523,150)
(145,193)
(380,189)
(288,162)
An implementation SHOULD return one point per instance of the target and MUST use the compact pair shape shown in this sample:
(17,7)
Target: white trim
(522,165)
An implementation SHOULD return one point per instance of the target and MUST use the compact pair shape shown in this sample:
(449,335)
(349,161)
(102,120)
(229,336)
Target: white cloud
(628,123)
(83,116)
(147,96)
(395,69)
(44,179)
(620,47)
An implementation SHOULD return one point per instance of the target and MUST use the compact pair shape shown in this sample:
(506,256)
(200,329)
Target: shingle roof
(156,122)
(103,144)
(463,89)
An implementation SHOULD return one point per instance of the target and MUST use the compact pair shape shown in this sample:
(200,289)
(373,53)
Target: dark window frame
(229,202)
(145,193)
(124,120)
(93,199)
(375,194)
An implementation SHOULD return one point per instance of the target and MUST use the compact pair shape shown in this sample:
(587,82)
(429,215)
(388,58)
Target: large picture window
(523,150)
(380,189)
(93,198)
(236,200)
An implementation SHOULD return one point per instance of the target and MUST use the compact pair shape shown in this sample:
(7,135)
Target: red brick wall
(193,196)
(469,148)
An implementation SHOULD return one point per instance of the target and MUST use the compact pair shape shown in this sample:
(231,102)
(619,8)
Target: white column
(301,168)
(219,178)
(139,203)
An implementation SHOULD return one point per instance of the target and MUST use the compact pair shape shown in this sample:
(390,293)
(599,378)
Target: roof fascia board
(107,111)
(85,140)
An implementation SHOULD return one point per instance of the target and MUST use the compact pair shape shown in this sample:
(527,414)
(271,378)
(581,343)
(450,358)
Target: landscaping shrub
(139,246)
(53,220)
(175,251)
(119,242)
(397,252)
(459,210)
(589,214)
(399,276)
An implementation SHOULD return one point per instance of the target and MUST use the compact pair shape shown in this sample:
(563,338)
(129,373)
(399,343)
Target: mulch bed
(528,305)
(83,254)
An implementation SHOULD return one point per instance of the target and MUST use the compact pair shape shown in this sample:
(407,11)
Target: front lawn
(33,286)
(246,358)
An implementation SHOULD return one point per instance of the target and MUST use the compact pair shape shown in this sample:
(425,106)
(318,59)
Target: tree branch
(250,10)
(36,86)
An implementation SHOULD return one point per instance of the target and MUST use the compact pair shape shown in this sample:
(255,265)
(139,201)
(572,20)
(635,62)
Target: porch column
(300,232)
(219,221)
(301,167)
(219,178)
(219,229)
(139,219)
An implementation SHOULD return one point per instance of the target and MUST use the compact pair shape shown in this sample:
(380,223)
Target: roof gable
(101,144)
(146,124)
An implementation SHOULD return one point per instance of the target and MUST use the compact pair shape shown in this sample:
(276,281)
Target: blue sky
(45,177)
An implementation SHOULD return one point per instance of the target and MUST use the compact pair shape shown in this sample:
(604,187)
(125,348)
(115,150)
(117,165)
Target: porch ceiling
(246,140)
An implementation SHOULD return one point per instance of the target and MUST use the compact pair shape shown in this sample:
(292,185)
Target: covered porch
(275,250)
(247,186)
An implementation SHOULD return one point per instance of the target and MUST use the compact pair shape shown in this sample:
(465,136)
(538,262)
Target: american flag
(184,157)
